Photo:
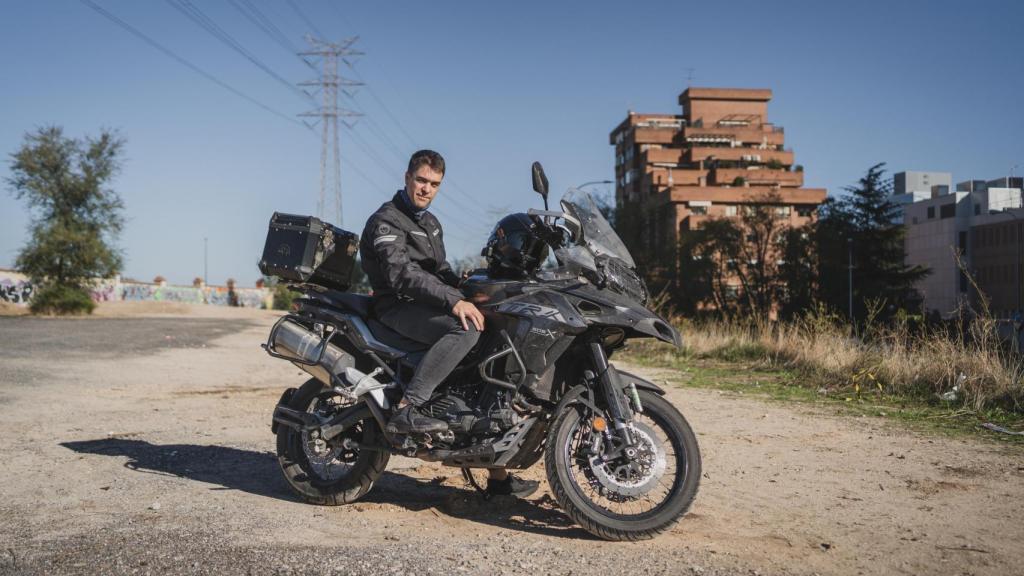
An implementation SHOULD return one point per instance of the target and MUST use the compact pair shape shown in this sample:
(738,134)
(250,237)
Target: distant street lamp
(849,246)
(594,182)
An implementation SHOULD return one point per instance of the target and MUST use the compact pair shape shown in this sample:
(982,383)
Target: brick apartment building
(676,171)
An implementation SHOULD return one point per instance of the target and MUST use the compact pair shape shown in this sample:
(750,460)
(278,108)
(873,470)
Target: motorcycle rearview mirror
(540,182)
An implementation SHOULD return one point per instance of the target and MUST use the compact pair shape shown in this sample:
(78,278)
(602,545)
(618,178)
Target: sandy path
(162,462)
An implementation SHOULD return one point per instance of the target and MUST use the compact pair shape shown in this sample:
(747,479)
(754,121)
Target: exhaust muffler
(306,349)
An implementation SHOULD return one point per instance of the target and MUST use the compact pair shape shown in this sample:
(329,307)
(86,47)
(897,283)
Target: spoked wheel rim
(329,462)
(617,488)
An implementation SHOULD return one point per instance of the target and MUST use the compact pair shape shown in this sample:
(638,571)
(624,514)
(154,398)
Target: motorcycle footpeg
(406,444)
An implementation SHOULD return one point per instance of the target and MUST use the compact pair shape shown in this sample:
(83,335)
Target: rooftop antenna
(689,76)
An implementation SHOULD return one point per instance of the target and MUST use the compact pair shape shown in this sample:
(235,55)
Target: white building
(910,187)
(938,228)
(915,181)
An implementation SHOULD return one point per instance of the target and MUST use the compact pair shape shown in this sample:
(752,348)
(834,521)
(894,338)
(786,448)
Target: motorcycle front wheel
(624,499)
(325,472)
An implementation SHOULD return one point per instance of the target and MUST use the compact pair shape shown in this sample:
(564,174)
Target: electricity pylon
(329,205)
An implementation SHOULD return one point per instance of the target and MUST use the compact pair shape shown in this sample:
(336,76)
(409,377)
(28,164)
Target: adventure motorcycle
(620,459)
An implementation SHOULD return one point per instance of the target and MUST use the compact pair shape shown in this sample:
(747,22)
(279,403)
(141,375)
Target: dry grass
(967,367)
(8,309)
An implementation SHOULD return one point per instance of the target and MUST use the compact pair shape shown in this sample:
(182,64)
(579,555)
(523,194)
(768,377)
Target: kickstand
(467,473)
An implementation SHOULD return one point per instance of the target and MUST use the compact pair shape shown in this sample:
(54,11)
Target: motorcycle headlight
(625,281)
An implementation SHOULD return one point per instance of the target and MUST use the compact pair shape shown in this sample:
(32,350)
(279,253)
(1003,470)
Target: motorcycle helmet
(515,249)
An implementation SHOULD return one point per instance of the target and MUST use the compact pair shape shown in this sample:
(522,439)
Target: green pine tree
(862,222)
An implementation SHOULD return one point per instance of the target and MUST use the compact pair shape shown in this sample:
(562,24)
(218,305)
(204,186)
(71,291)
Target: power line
(373,126)
(302,16)
(193,13)
(254,15)
(167,52)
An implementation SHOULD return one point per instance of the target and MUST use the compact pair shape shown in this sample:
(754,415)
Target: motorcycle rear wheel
(612,516)
(334,476)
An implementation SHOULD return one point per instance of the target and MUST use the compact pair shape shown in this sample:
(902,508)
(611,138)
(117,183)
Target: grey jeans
(430,325)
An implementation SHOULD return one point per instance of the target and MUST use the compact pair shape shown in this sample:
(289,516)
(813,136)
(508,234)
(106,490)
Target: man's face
(422,186)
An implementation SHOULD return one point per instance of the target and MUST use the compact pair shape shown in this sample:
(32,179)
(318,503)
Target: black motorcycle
(620,459)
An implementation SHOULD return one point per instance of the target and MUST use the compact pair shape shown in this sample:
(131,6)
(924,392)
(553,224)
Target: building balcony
(659,135)
(658,176)
(742,195)
(643,121)
(749,135)
(759,177)
(662,156)
(750,155)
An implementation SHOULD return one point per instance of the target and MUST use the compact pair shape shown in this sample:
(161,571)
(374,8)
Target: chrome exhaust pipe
(293,341)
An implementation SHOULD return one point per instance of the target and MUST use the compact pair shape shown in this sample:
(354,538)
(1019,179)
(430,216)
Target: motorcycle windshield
(597,233)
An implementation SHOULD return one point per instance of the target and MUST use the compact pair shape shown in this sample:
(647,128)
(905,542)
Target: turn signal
(599,424)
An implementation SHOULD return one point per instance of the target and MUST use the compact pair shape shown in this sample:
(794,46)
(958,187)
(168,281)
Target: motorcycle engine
(453,407)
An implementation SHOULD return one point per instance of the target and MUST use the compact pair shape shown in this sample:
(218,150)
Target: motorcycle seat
(363,306)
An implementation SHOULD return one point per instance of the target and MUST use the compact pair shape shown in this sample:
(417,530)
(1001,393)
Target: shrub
(58,299)
(283,297)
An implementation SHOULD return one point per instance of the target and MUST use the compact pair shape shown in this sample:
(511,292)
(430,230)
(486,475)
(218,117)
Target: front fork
(610,386)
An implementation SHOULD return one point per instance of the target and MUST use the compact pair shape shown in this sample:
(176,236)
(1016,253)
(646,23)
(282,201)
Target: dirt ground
(138,442)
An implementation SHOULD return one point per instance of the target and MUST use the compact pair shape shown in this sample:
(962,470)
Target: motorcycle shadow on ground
(257,473)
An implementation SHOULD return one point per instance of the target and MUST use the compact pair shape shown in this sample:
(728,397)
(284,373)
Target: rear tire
(567,474)
(337,476)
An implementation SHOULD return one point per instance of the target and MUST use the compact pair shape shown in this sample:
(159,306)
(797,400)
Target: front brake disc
(637,476)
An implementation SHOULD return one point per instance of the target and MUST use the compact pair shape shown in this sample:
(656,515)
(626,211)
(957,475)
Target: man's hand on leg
(467,312)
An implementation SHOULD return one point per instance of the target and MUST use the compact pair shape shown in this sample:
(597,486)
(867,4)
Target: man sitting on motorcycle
(416,294)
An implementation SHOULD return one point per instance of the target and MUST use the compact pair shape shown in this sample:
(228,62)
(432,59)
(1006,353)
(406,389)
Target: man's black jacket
(403,257)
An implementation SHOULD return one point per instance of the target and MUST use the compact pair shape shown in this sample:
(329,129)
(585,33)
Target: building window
(977,209)
(699,210)
(782,210)
(931,212)
(805,211)
(730,210)
(947,211)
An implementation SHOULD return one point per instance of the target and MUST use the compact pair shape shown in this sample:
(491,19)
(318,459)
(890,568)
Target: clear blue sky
(493,86)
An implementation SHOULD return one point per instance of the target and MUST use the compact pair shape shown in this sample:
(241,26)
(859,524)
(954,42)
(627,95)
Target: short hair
(426,158)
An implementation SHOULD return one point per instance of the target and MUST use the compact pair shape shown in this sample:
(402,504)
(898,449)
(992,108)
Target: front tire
(331,475)
(627,510)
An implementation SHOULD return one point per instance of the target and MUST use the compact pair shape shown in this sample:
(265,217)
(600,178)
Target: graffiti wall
(16,288)
(161,293)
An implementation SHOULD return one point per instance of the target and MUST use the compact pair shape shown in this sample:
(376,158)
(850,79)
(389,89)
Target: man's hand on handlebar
(465,310)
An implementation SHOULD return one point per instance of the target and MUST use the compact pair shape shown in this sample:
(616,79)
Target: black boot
(410,420)
(511,486)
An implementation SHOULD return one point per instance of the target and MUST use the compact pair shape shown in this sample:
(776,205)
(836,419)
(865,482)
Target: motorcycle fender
(285,399)
(626,378)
